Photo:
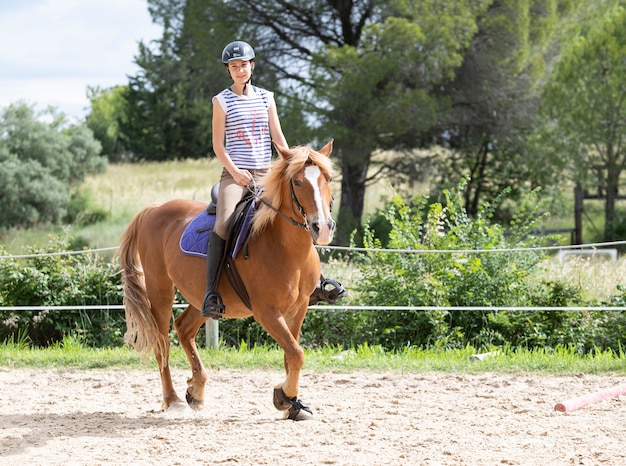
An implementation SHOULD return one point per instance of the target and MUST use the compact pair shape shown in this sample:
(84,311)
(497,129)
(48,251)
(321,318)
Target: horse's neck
(293,239)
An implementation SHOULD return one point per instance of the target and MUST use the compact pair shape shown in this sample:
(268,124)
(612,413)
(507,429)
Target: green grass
(121,192)
(562,361)
(125,188)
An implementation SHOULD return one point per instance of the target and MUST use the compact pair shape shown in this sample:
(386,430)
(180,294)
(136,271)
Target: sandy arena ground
(76,417)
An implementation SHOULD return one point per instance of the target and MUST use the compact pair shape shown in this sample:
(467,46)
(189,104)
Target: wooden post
(212,328)
(579,195)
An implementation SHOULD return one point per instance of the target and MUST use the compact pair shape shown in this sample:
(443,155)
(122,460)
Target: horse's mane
(281,172)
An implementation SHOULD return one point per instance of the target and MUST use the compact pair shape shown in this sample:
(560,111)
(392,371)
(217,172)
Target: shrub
(41,158)
(432,277)
(51,279)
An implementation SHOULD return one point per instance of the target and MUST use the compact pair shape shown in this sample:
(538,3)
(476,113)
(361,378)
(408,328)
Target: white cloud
(52,50)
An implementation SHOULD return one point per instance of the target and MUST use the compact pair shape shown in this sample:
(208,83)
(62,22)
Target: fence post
(212,328)
(579,195)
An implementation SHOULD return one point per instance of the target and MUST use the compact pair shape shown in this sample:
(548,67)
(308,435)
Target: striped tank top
(248,139)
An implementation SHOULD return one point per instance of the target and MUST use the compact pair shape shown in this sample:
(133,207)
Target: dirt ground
(76,417)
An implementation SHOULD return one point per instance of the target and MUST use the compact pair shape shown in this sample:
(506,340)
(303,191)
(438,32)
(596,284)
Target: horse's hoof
(294,409)
(196,405)
(175,406)
(298,415)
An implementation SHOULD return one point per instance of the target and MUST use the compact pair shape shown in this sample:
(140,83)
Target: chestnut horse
(281,270)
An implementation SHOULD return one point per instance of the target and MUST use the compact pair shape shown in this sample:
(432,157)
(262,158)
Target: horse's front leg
(286,393)
(187,325)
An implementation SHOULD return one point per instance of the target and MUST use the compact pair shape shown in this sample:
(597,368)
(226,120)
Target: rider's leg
(227,197)
(212,306)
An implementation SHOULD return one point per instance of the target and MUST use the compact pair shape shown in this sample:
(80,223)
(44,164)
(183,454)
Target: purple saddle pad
(195,238)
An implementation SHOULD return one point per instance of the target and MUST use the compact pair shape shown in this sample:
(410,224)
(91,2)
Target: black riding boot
(212,306)
(331,296)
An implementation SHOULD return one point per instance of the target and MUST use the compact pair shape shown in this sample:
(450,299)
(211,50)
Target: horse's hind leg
(161,297)
(187,325)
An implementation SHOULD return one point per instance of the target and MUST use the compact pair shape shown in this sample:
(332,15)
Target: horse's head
(305,175)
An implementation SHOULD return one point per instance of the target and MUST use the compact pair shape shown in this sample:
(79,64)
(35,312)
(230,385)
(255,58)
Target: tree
(494,97)
(585,102)
(159,119)
(169,102)
(381,88)
(339,61)
(41,159)
(107,111)
(373,74)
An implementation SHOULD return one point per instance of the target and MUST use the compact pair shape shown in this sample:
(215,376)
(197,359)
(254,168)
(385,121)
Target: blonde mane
(283,170)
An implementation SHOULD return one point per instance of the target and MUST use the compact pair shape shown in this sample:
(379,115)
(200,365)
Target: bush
(80,213)
(60,280)
(41,158)
(433,277)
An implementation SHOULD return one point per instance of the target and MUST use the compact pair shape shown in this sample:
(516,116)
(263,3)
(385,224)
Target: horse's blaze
(324,234)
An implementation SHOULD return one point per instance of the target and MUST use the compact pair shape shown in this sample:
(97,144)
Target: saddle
(195,238)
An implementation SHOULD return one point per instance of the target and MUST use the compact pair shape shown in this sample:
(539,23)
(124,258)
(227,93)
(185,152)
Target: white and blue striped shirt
(248,139)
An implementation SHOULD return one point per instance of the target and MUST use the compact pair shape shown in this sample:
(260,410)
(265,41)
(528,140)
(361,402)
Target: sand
(112,416)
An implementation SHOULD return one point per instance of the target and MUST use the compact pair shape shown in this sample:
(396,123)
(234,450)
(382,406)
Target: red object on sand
(586,400)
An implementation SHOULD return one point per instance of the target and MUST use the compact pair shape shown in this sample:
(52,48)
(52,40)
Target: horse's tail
(141,329)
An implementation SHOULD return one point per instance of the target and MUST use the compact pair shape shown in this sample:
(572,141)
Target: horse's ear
(327,149)
(282,151)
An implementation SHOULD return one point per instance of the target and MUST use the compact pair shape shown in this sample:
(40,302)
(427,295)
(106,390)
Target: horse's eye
(297,183)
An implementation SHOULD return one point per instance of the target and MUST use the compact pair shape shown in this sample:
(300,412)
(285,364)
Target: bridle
(295,204)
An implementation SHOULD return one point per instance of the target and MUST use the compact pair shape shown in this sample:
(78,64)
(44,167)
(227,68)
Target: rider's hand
(243,177)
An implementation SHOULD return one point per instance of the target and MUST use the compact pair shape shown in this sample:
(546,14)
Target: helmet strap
(251,73)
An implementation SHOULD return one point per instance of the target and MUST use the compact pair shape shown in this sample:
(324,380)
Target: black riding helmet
(238,50)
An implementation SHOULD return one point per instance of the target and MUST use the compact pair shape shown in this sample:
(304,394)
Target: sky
(52,50)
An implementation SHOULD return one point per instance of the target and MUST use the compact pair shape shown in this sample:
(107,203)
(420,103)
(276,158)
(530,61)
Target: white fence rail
(212,326)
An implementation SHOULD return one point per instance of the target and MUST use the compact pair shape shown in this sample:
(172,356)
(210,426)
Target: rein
(294,200)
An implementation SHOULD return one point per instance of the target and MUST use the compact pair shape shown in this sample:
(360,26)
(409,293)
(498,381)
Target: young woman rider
(245,122)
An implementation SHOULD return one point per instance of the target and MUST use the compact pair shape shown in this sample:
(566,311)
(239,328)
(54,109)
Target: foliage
(494,97)
(584,107)
(382,278)
(107,111)
(465,278)
(372,74)
(52,279)
(382,86)
(41,159)
(613,323)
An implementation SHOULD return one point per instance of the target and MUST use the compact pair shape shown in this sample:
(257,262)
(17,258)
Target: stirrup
(213,306)
(331,296)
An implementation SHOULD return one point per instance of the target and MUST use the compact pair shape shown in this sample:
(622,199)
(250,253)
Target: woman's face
(240,70)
